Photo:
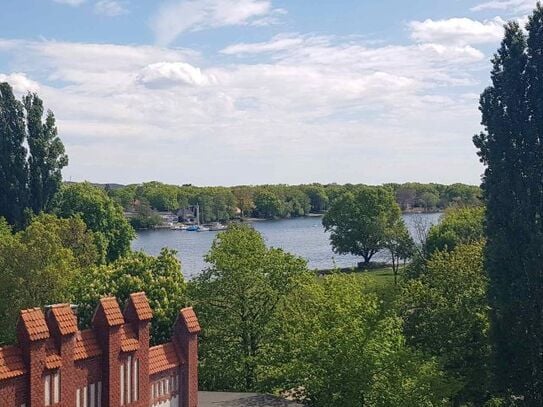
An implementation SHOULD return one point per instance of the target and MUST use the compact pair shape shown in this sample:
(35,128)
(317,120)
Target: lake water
(304,237)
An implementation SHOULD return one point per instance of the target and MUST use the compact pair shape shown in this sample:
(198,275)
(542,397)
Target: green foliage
(282,201)
(124,196)
(360,220)
(245,199)
(335,344)
(28,179)
(430,197)
(13,163)
(510,148)
(47,156)
(457,226)
(160,196)
(268,205)
(399,244)
(145,217)
(215,203)
(317,197)
(39,265)
(160,277)
(101,214)
(236,299)
(446,315)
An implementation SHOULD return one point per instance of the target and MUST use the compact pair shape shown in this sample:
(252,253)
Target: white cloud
(20,83)
(309,103)
(73,3)
(110,8)
(166,74)
(176,17)
(461,31)
(277,43)
(516,6)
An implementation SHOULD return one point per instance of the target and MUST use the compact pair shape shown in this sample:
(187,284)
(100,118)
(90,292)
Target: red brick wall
(28,387)
(13,392)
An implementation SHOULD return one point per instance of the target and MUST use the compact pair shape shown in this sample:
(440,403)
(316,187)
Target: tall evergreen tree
(13,165)
(512,149)
(47,155)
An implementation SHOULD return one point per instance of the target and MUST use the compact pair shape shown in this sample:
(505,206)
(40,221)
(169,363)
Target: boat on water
(217,227)
(178,227)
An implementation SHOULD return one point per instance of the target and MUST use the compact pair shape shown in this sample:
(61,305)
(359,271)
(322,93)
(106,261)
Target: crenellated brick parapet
(111,364)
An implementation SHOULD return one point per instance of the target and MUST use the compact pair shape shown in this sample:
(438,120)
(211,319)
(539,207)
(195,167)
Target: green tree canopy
(457,226)
(236,299)
(399,244)
(39,265)
(268,204)
(446,315)
(160,277)
(359,220)
(13,163)
(28,178)
(336,344)
(510,148)
(101,214)
(47,156)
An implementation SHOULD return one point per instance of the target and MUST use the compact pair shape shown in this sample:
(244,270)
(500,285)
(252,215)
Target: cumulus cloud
(110,8)
(166,74)
(515,6)
(176,17)
(457,31)
(20,82)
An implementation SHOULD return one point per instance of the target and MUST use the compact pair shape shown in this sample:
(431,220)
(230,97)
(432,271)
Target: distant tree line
(276,201)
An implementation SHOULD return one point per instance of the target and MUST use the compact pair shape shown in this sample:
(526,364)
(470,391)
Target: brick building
(108,365)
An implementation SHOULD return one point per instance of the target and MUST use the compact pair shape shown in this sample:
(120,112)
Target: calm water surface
(304,237)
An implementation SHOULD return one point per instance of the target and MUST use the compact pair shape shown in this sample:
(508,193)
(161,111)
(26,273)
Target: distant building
(109,365)
(187,215)
(167,217)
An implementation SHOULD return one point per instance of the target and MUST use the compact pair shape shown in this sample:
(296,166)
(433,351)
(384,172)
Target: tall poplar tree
(29,179)
(511,147)
(47,155)
(13,164)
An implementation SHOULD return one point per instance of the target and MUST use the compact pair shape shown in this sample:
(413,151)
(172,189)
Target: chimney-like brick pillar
(32,333)
(138,313)
(106,323)
(185,339)
(62,324)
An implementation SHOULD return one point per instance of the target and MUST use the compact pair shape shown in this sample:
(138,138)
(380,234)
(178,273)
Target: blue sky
(230,92)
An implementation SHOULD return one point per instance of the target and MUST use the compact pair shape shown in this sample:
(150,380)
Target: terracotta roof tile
(11,363)
(52,357)
(86,345)
(112,311)
(129,339)
(191,320)
(53,361)
(34,322)
(141,306)
(162,357)
(65,318)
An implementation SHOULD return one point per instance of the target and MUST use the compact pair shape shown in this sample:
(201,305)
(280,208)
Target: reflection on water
(304,237)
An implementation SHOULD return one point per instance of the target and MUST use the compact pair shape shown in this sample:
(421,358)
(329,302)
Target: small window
(129,371)
(89,396)
(51,389)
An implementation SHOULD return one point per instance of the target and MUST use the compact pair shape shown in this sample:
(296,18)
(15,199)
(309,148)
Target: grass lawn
(378,280)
